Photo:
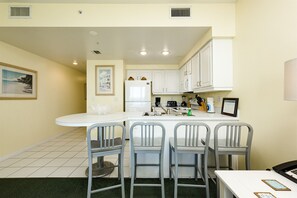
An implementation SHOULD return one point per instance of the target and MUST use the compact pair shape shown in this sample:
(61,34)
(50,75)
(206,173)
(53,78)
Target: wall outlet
(219,99)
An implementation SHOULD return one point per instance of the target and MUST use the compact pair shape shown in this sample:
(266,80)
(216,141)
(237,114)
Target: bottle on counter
(189,111)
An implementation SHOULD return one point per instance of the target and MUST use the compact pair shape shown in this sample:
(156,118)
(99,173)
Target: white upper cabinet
(186,77)
(215,70)
(196,81)
(138,74)
(165,81)
(182,72)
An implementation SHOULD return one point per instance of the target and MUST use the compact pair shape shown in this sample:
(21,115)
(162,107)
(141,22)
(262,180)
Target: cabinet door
(206,65)
(158,82)
(189,67)
(196,71)
(182,78)
(171,81)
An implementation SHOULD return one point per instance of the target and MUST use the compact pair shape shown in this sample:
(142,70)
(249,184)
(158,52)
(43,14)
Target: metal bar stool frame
(147,144)
(190,143)
(107,143)
(232,144)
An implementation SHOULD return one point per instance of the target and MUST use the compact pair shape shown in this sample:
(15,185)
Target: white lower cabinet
(185,172)
(165,81)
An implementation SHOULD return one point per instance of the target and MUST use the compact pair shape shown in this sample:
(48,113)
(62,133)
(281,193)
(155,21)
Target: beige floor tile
(68,154)
(40,162)
(23,162)
(23,172)
(74,162)
(4,172)
(43,172)
(79,172)
(62,172)
(39,154)
(53,154)
(57,162)
(8,162)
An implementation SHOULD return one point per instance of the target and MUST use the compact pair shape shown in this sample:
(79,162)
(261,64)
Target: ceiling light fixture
(143,53)
(75,62)
(93,33)
(165,53)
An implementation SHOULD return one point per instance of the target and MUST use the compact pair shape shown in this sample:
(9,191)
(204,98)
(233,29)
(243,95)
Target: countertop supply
(87,119)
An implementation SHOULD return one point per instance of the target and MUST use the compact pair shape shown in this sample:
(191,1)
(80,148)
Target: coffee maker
(157,101)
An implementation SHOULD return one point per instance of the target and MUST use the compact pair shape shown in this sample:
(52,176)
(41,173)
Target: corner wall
(28,122)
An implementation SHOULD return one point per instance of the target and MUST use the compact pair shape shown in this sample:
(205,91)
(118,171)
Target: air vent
(180,12)
(20,12)
(96,51)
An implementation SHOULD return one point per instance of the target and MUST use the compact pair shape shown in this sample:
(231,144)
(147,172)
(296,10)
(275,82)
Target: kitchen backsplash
(218,97)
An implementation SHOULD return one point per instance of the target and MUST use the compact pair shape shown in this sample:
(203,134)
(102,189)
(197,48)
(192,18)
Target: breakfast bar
(168,120)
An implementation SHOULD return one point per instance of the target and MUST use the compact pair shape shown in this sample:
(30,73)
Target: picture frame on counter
(104,80)
(230,106)
(17,82)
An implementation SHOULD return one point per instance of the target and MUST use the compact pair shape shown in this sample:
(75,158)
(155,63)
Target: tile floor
(64,156)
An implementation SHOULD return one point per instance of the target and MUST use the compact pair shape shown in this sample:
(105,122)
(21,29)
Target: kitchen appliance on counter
(210,105)
(184,103)
(171,104)
(157,102)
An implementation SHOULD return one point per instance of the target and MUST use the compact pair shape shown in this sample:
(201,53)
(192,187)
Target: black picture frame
(230,106)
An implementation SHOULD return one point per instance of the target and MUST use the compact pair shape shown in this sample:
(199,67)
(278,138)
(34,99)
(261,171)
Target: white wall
(114,101)
(28,122)
(266,36)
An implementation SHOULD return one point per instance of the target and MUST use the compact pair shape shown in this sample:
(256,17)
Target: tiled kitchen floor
(64,156)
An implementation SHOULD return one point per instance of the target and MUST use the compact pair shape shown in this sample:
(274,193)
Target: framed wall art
(230,106)
(17,82)
(104,80)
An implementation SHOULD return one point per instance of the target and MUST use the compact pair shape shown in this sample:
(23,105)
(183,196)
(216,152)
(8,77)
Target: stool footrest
(191,185)
(106,188)
(148,185)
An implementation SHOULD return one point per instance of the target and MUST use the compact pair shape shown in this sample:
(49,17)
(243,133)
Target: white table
(243,184)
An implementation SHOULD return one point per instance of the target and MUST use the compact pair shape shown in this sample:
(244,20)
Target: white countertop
(243,184)
(87,119)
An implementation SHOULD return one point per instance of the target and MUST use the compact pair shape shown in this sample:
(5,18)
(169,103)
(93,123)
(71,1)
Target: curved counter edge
(87,119)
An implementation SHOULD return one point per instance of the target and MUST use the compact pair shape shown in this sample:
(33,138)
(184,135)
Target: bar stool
(147,138)
(231,138)
(110,140)
(187,140)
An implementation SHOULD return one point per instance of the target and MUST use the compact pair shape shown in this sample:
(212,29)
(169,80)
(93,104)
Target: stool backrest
(190,134)
(233,135)
(147,134)
(106,136)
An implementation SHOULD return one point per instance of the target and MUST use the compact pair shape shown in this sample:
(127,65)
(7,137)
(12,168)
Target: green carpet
(77,187)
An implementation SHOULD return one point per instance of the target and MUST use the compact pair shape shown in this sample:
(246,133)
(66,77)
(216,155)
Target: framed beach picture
(105,80)
(17,82)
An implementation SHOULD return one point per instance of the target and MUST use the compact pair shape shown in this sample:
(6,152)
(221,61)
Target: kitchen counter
(87,119)
(169,121)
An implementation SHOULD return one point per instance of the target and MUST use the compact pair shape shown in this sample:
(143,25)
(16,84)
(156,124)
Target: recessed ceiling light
(165,53)
(75,62)
(93,33)
(143,53)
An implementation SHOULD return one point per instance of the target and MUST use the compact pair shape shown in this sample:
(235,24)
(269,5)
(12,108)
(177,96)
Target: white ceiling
(63,45)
